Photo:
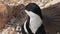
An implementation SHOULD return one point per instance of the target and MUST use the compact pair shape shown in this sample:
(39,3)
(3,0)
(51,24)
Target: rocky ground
(11,19)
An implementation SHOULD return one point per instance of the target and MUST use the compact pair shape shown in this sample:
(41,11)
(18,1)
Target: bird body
(33,25)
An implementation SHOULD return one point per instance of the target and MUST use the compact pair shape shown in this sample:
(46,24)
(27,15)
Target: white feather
(25,27)
(35,21)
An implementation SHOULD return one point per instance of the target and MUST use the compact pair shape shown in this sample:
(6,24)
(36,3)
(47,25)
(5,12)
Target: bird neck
(35,21)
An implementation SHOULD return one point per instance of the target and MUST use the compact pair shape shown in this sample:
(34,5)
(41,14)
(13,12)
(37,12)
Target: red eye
(27,9)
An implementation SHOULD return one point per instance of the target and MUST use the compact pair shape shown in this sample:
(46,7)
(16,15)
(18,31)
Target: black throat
(40,30)
(27,26)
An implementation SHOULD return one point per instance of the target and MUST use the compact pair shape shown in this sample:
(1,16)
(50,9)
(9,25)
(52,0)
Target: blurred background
(12,15)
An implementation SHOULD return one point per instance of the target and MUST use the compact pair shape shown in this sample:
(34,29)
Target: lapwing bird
(34,23)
